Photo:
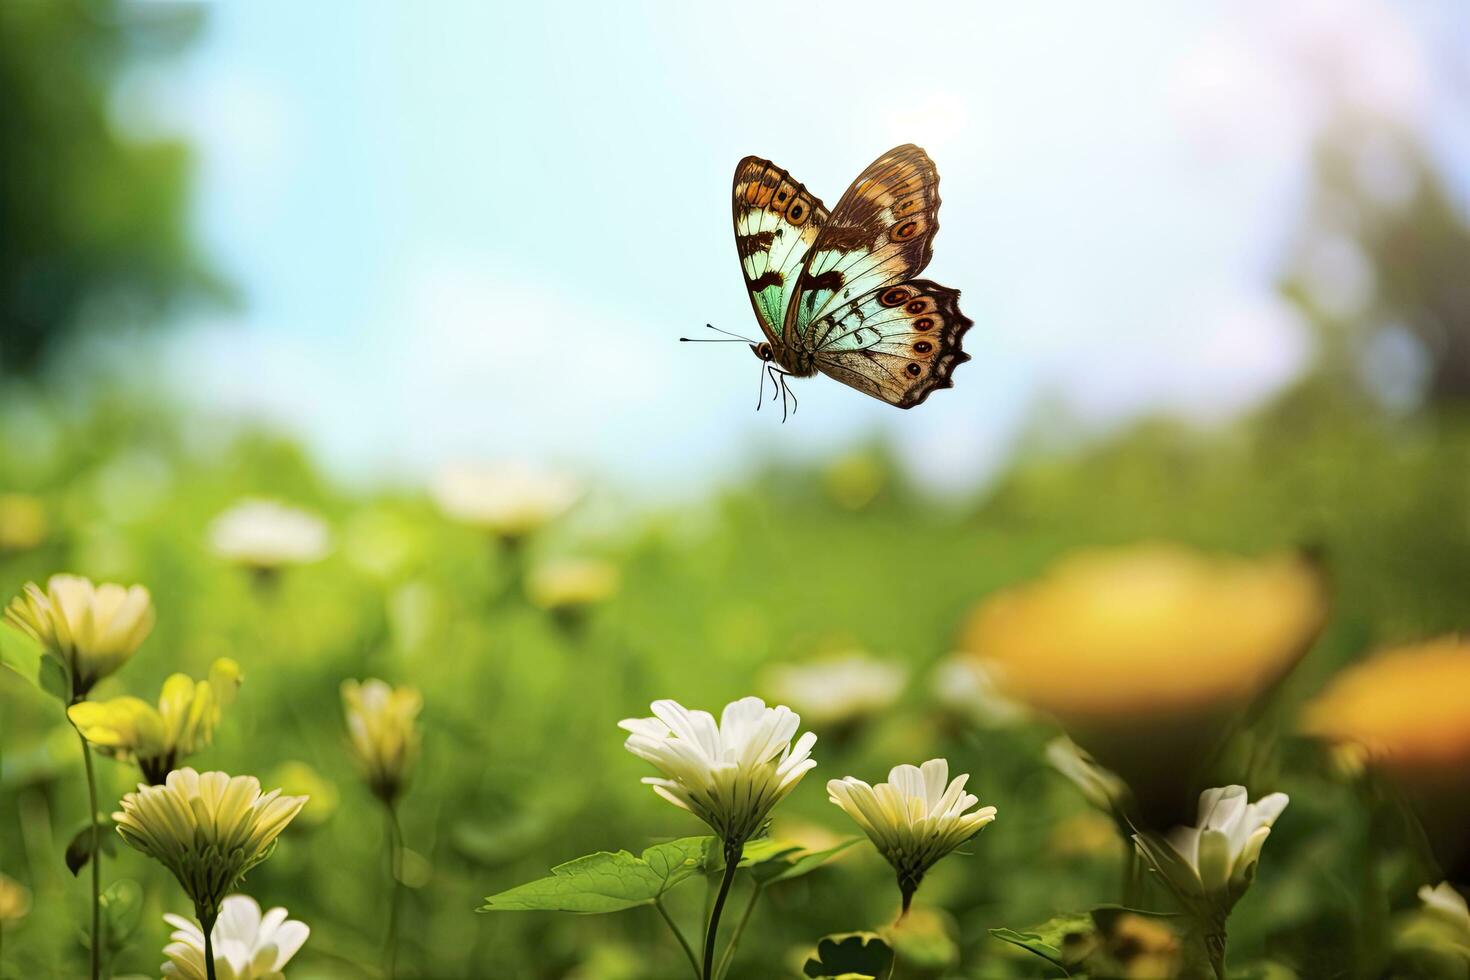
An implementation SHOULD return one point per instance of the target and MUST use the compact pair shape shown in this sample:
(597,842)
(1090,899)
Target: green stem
(96,857)
(1132,876)
(733,851)
(395,869)
(729,955)
(208,948)
(658,903)
(1215,946)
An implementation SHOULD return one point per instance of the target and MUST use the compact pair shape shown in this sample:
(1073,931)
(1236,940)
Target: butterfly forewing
(776,222)
(880,233)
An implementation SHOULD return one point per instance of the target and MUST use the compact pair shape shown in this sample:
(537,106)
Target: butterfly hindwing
(776,221)
(897,344)
(880,233)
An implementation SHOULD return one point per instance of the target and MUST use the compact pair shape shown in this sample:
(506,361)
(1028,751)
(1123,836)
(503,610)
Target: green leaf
(79,851)
(122,905)
(853,954)
(793,862)
(20,653)
(608,881)
(1032,942)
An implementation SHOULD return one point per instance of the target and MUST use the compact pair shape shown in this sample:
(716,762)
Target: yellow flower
(385,739)
(132,730)
(265,535)
(91,629)
(510,501)
(208,829)
(1402,713)
(1148,655)
(571,585)
(15,900)
(23,523)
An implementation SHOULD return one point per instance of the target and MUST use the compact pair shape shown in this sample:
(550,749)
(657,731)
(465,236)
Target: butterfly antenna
(729,333)
(729,338)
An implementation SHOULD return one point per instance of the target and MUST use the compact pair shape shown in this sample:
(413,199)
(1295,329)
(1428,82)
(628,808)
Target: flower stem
(729,953)
(395,870)
(658,903)
(1132,876)
(96,857)
(1215,946)
(208,946)
(733,851)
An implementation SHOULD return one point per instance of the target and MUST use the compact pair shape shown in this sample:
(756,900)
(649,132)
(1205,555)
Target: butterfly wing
(897,344)
(776,221)
(880,233)
(860,313)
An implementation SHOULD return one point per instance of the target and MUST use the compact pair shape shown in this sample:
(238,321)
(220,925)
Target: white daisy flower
(510,501)
(247,945)
(841,689)
(729,775)
(915,818)
(1216,860)
(266,534)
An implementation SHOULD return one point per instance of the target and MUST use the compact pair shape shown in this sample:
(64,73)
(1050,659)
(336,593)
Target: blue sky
(465,231)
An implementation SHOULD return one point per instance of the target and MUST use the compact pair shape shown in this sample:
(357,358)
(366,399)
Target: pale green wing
(776,222)
(896,344)
(880,234)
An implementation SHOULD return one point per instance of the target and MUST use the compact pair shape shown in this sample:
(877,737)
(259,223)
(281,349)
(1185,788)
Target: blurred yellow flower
(23,523)
(15,899)
(729,774)
(382,722)
(571,585)
(1147,655)
(246,944)
(510,501)
(1404,708)
(838,690)
(299,779)
(91,629)
(914,819)
(208,829)
(158,739)
(1402,713)
(266,535)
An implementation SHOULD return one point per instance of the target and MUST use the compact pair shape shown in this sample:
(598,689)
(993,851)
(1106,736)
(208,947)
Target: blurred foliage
(93,223)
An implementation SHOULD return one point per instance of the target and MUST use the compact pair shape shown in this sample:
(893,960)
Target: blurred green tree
(93,225)
(1379,270)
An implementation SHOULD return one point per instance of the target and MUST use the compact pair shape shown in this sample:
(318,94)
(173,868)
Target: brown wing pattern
(898,344)
(880,233)
(776,221)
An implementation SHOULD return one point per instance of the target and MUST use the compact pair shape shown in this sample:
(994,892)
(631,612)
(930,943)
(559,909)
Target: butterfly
(837,292)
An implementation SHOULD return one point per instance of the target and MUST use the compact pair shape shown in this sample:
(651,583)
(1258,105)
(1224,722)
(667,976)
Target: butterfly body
(835,291)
